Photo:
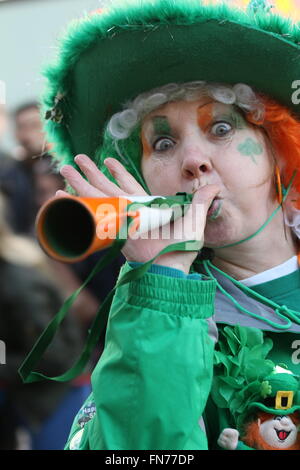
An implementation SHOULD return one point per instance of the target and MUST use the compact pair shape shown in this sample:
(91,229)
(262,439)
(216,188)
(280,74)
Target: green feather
(241,365)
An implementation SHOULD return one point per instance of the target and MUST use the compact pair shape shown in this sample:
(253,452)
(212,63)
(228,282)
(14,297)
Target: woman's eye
(163,144)
(221,129)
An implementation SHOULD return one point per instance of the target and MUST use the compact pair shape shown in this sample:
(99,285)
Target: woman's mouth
(214,209)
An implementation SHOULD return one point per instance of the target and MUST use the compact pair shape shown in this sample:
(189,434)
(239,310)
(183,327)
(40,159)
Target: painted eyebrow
(161,125)
(209,112)
(236,117)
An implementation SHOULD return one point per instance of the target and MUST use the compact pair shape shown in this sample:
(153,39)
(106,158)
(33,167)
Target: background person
(17,175)
(29,298)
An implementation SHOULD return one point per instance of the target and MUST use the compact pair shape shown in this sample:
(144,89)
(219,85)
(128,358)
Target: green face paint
(239,121)
(161,125)
(216,212)
(250,148)
(235,119)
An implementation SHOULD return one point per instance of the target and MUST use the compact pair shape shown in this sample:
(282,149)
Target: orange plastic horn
(71,228)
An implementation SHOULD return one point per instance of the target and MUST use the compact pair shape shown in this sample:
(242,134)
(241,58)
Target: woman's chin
(218,234)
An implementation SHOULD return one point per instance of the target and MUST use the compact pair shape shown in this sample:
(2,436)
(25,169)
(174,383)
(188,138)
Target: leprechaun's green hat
(246,380)
(283,396)
(111,56)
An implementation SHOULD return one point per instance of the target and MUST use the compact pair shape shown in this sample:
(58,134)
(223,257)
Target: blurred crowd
(33,288)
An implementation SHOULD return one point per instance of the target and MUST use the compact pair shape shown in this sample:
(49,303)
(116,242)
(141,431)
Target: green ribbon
(282,311)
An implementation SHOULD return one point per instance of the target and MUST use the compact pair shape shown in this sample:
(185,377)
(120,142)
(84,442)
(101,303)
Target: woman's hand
(141,249)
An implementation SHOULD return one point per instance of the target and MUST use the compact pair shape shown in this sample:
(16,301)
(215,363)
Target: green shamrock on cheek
(250,148)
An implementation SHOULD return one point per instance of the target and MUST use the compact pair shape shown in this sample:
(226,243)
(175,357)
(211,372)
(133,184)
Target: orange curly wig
(283,130)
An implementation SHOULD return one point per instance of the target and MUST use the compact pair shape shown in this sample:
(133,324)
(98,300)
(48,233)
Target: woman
(233,147)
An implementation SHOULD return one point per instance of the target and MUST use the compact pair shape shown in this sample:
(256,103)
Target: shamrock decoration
(250,148)
(55,114)
(241,366)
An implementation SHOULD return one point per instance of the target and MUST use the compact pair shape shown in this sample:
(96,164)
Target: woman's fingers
(79,184)
(125,180)
(195,218)
(61,193)
(98,185)
(205,195)
(96,177)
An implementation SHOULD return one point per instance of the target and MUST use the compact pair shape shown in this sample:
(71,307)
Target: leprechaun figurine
(272,422)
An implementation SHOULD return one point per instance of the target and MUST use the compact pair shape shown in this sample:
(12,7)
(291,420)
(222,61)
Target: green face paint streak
(250,148)
(161,125)
(216,212)
(235,119)
(239,120)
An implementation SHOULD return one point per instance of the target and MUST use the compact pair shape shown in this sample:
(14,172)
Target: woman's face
(190,144)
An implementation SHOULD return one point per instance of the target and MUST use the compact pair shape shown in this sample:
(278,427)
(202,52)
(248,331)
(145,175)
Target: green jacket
(151,386)
(152,382)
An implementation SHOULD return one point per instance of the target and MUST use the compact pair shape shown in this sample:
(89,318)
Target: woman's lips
(214,209)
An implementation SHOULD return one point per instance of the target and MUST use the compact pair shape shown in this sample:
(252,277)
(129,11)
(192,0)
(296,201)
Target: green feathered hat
(112,55)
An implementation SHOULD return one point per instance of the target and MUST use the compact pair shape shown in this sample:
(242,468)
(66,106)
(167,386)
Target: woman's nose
(195,164)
